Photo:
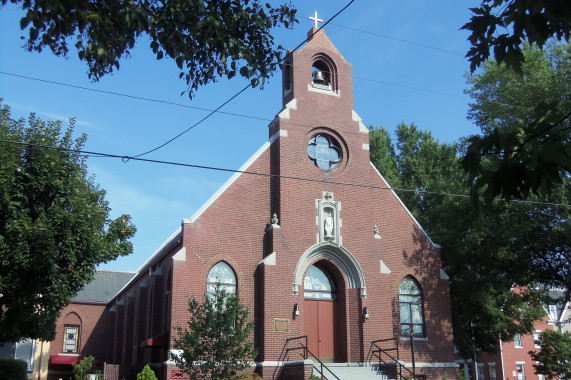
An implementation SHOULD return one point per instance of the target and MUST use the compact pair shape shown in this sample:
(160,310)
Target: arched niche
(338,255)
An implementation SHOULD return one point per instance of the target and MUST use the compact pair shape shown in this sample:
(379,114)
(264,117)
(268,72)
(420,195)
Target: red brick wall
(93,331)
(234,229)
(513,355)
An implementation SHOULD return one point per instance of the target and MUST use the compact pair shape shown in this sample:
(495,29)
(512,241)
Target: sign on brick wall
(281,325)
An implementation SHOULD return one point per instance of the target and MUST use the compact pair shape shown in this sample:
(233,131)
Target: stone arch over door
(344,260)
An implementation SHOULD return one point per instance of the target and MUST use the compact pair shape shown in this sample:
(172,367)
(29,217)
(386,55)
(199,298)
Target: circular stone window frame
(335,138)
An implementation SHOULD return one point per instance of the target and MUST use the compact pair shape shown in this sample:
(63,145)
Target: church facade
(319,248)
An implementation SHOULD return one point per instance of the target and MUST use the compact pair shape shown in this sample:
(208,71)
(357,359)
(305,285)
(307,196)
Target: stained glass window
(411,313)
(221,275)
(318,284)
(324,152)
(71,339)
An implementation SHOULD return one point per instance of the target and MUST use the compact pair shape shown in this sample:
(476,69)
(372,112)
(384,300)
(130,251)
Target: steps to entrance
(351,371)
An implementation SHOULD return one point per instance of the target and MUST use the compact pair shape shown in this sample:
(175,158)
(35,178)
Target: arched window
(221,275)
(318,284)
(411,311)
(71,333)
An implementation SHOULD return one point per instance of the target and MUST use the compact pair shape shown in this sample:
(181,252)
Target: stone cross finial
(314,18)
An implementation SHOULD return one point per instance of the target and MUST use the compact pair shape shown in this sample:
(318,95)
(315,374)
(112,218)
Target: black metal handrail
(301,347)
(385,351)
(306,351)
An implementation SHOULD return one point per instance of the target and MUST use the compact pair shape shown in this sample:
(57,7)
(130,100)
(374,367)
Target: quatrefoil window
(324,152)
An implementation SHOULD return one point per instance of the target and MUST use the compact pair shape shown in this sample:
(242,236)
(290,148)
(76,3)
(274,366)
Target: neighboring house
(35,353)
(81,329)
(513,362)
(341,265)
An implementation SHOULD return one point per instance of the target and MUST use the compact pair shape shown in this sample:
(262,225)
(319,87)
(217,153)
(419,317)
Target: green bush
(247,376)
(83,367)
(147,374)
(13,369)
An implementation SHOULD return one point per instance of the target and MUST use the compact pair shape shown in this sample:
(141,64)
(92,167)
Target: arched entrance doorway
(321,312)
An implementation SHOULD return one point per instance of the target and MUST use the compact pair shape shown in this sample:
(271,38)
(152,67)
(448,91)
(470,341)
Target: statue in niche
(329,224)
(274,219)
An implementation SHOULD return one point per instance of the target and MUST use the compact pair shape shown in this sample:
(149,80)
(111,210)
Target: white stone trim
(280,363)
(418,339)
(406,209)
(443,275)
(384,268)
(365,146)
(340,256)
(180,255)
(357,118)
(310,88)
(434,365)
(269,259)
(229,182)
(284,113)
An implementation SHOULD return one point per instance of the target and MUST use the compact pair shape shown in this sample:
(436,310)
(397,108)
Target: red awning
(161,340)
(65,359)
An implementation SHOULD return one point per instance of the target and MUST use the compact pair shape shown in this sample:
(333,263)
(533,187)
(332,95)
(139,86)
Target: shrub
(147,374)
(82,368)
(13,369)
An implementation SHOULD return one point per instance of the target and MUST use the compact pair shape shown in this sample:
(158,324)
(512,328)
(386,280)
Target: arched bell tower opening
(324,73)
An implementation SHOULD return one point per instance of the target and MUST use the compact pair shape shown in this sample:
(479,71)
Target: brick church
(322,252)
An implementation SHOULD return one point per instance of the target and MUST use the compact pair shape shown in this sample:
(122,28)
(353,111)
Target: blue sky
(419,81)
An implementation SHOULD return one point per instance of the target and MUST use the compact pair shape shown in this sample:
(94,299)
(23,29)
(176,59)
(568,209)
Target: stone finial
(376,231)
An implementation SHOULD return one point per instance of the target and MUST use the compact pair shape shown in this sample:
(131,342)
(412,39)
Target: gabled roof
(104,286)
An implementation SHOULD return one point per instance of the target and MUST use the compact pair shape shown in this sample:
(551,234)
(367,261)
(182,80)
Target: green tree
(215,344)
(554,357)
(504,25)
(54,225)
(83,367)
(533,154)
(206,39)
(525,146)
(486,251)
(146,374)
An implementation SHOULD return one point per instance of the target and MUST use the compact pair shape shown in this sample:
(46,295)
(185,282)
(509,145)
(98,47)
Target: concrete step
(350,371)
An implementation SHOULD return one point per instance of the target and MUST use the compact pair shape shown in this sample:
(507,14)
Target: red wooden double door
(319,328)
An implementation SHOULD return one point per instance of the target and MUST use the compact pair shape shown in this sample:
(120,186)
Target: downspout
(40,361)
(502,357)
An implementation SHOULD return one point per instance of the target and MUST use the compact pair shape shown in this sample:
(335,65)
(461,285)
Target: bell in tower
(319,78)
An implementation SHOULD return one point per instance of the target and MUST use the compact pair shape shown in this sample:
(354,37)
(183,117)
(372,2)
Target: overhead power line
(126,159)
(239,92)
(254,117)
(399,40)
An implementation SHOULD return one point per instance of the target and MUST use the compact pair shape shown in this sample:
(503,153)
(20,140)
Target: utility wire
(126,159)
(153,100)
(242,90)
(399,39)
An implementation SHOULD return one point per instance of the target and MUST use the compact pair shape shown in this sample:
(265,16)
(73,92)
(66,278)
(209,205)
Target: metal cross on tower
(314,18)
